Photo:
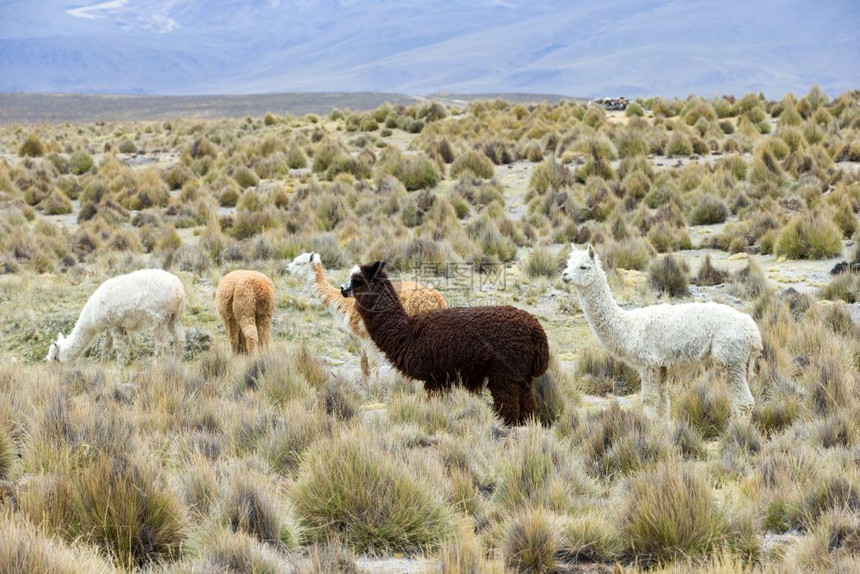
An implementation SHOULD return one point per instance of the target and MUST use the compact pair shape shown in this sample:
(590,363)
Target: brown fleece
(246,300)
(503,345)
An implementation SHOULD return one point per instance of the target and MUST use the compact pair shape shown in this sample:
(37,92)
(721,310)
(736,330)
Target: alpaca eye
(583,267)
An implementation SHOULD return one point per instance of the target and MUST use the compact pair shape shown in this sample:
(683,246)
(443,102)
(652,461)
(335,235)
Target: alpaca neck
(321,288)
(77,341)
(606,318)
(384,318)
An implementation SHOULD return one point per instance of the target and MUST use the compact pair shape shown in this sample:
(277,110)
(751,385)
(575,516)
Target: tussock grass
(600,373)
(670,275)
(350,489)
(121,508)
(618,442)
(532,542)
(706,406)
(473,162)
(809,237)
(672,514)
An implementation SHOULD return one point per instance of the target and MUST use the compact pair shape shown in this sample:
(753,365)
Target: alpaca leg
(235,335)
(177,333)
(107,347)
(249,330)
(506,401)
(161,336)
(120,345)
(663,409)
(264,328)
(650,391)
(528,405)
(742,399)
(365,364)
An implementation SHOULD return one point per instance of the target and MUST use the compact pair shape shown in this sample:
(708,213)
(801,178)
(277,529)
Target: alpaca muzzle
(346,289)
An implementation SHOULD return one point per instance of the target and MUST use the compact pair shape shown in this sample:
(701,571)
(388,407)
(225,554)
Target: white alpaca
(654,338)
(149,298)
(415,299)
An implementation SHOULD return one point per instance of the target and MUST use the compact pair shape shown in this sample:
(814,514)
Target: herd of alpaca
(424,339)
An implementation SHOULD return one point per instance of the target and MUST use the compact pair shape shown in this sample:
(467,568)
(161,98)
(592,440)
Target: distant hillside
(583,48)
(47,108)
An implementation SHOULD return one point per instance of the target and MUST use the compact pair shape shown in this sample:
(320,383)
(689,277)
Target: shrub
(24,548)
(709,275)
(127,146)
(296,158)
(629,254)
(809,236)
(250,510)
(591,537)
(620,442)
(32,146)
(634,109)
(541,263)
(122,508)
(671,514)
(670,275)
(80,163)
(532,542)
(845,287)
(550,175)
(709,210)
(349,488)
(246,177)
(475,162)
(416,172)
(57,203)
(7,453)
(679,145)
(601,373)
(706,407)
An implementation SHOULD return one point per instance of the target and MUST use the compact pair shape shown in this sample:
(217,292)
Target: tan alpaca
(414,297)
(246,301)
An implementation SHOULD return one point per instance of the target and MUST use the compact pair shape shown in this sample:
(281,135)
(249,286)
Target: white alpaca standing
(149,298)
(654,338)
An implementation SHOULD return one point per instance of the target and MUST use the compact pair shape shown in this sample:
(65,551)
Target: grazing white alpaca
(149,298)
(654,338)
(414,297)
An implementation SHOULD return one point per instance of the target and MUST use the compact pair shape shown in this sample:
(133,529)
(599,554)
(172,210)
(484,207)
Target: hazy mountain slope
(582,48)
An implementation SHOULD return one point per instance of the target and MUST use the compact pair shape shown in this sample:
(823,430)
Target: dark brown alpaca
(503,345)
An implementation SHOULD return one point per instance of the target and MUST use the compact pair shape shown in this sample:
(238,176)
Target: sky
(580,48)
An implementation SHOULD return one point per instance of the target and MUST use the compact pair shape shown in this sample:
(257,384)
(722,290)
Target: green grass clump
(473,162)
(620,442)
(532,542)
(628,254)
(351,489)
(416,172)
(8,453)
(123,509)
(709,210)
(542,263)
(706,407)
(844,287)
(599,373)
(80,162)
(679,145)
(672,515)
(32,146)
(809,236)
(251,510)
(550,175)
(670,275)
(246,177)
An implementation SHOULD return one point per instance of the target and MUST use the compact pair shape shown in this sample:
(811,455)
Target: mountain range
(581,48)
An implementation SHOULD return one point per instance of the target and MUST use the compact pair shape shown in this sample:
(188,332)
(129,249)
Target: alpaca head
(303,264)
(362,278)
(583,265)
(56,348)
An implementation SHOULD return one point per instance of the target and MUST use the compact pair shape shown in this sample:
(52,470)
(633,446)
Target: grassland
(292,462)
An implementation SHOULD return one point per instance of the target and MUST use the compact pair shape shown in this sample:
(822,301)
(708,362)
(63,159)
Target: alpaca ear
(60,337)
(376,268)
(590,252)
(312,256)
